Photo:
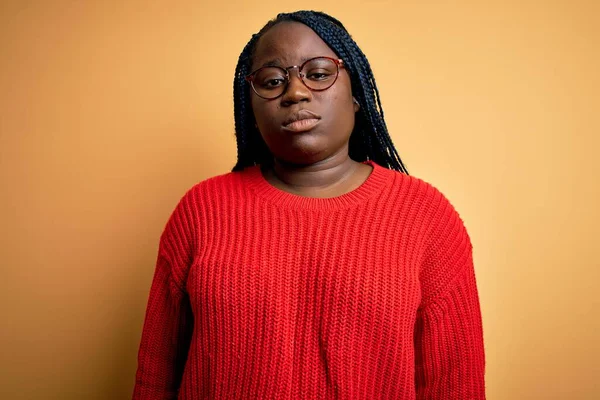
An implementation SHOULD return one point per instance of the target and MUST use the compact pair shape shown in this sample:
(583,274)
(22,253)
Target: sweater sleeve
(449,351)
(168,323)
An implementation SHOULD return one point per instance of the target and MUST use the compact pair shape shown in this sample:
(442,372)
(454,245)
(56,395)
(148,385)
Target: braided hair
(369,140)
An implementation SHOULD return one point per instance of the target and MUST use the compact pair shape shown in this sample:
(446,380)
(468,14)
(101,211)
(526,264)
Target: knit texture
(262,294)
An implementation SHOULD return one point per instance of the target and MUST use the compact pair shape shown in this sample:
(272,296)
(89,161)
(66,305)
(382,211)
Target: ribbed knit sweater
(262,294)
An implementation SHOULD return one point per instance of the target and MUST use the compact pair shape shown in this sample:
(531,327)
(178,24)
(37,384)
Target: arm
(449,351)
(168,323)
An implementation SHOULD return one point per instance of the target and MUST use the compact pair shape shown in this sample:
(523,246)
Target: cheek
(341,109)
(343,95)
(263,111)
(344,104)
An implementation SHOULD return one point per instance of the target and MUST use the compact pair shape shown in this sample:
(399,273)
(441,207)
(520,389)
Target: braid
(369,140)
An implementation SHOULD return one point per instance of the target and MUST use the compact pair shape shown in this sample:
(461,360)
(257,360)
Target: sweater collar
(379,178)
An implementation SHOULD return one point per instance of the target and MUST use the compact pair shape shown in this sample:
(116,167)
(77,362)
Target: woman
(317,268)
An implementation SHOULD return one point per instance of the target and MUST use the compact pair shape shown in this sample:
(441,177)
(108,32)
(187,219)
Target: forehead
(289,43)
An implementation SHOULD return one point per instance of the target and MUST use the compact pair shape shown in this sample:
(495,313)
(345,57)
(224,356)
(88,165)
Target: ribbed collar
(379,178)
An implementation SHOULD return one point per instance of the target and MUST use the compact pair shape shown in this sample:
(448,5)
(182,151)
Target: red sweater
(262,294)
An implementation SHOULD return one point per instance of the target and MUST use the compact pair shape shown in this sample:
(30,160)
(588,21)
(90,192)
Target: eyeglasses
(317,74)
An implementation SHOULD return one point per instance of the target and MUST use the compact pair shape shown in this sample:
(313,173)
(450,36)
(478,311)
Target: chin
(303,156)
(302,149)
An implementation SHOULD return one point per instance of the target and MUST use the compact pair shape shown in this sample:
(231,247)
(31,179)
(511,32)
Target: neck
(323,176)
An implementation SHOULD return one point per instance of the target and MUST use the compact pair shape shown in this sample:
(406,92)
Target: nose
(296,91)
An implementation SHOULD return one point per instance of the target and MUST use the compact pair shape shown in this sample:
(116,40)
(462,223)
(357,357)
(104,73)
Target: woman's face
(284,45)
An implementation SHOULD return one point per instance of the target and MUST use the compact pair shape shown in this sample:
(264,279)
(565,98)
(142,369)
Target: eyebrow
(276,62)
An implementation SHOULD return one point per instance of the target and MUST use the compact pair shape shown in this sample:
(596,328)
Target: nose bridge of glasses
(289,74)
(300,85)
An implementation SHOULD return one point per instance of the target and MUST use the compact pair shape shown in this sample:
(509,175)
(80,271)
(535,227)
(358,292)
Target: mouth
(301,125)
(301,121)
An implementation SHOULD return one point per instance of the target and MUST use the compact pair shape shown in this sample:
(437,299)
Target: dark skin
(314,163)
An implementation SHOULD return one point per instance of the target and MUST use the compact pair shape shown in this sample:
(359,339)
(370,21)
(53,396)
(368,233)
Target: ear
(356,105)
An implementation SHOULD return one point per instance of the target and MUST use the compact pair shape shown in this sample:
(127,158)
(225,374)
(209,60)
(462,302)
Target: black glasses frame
(339,63)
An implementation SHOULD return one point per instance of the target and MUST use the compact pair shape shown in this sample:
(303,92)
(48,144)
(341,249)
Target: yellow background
(110,110)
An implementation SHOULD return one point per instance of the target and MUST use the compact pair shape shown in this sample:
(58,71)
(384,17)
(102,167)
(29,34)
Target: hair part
(369,140)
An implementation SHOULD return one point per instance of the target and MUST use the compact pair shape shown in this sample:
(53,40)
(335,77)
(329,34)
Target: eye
(270,78)
(273,83)
(319,75)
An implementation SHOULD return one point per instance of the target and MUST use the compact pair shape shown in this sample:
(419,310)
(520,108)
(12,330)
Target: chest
(288,265)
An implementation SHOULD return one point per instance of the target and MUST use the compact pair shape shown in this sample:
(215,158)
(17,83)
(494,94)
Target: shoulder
(428,203)
(212,189)
(419,192)
(182,233)
(204,192)
(445,246)
(215,183)
(446,236)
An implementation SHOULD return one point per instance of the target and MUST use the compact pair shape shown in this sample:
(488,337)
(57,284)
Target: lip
(301,121)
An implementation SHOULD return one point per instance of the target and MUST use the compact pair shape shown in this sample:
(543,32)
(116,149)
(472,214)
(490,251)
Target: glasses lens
(269,82)
(320,73)
(317,74)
